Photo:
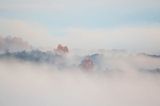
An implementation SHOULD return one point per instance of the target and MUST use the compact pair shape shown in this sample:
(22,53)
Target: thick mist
(64,77)
(128,80)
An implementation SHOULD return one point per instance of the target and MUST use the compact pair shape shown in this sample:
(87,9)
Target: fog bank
(28,84)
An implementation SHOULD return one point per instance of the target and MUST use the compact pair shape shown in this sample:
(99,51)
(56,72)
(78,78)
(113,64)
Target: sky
(131,25)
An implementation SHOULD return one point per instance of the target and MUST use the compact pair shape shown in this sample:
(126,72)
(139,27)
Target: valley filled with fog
(64,77)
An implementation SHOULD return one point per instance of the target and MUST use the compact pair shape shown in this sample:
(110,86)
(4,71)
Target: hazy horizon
(98,24)
(79,52)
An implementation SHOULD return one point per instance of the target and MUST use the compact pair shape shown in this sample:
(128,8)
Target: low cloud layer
(38,85)
(14,48)
(78,78)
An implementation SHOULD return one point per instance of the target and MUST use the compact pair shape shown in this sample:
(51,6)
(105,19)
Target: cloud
(129,38)
(31,6)
(72,5)
(13,44)
(37,35)
(91,61)
(134,38)
(112,5)
(128,79)
(38,85)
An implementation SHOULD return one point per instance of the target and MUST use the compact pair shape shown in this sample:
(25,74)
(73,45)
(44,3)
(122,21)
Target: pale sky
(132,25)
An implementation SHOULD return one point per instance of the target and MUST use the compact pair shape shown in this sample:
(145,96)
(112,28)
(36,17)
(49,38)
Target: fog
(13,44)
(129,80)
